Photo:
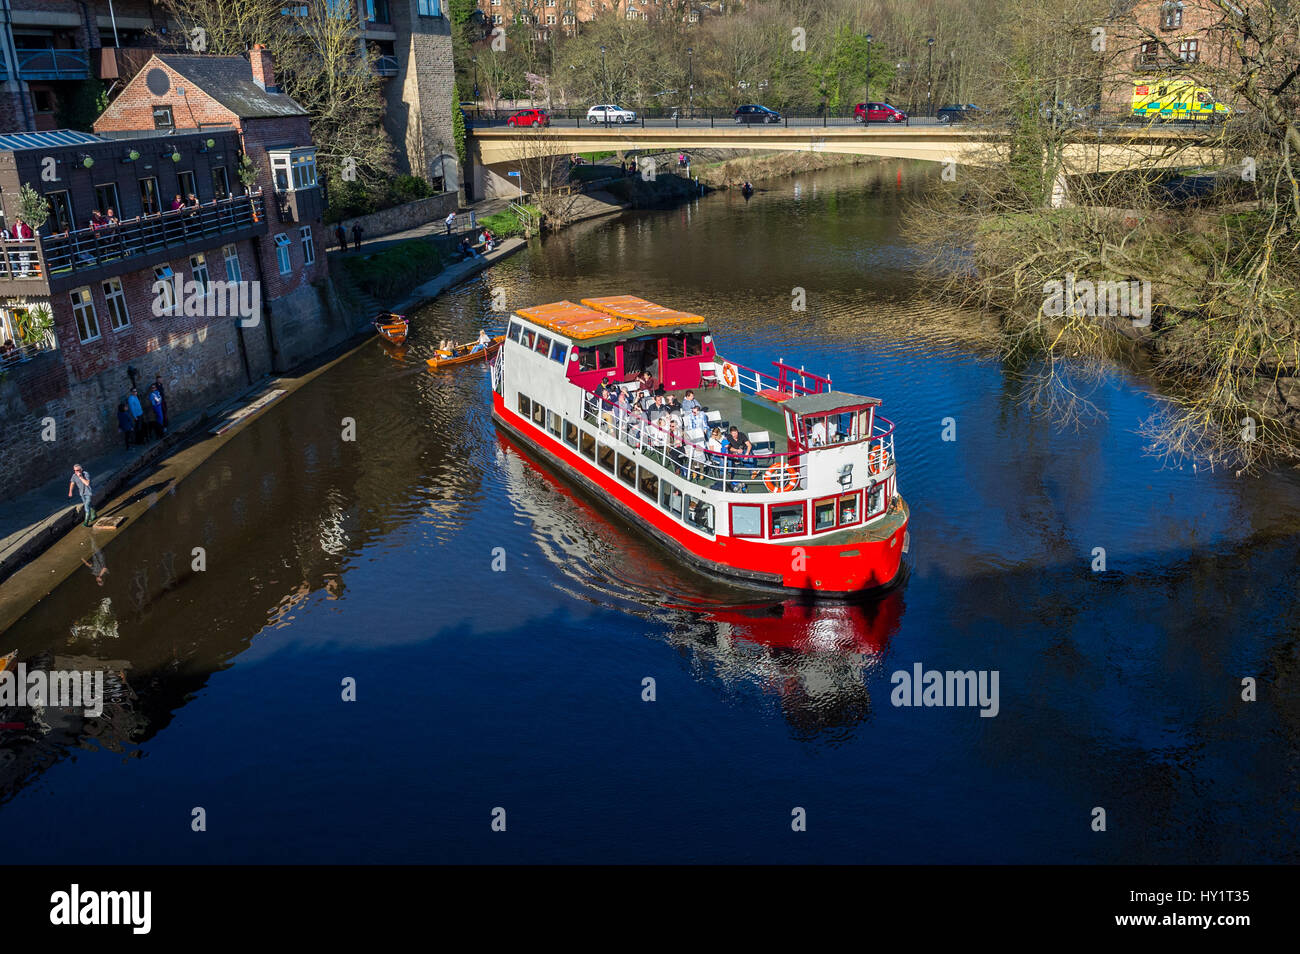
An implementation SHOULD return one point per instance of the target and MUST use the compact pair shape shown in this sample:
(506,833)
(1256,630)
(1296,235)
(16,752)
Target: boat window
(627,470)
(844,425)
(786,520)
(824,515)
(700,515)
(525,406)
(587,445)
(605,457)
(695,344)
(559,351)
(649,484)
(746,520)
(670,498)
(514,331)
(586,359)
(848,508)
(675,347)
(543,344)
(571,433)
(539,415)
(526,337)
(608,355)
(876,499)
(553,422)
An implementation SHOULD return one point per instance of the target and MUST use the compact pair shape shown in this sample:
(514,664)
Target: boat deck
(751,414)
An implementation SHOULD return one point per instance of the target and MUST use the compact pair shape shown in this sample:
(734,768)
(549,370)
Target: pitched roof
(229,80)
(826,402)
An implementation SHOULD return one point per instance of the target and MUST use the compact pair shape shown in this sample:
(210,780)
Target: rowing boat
(463,355)
(391,327)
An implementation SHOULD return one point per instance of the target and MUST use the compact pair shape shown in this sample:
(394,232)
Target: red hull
(816,568)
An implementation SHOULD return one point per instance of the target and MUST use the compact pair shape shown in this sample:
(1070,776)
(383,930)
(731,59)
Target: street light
(604,80)
(690,85)
(869,39)
(929,61)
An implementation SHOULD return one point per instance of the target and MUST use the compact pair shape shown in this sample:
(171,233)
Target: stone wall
(418,101)
(409,215)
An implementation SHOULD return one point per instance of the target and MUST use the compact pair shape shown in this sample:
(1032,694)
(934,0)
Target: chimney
(259,57)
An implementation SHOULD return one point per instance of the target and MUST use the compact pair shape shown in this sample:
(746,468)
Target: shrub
(391,271)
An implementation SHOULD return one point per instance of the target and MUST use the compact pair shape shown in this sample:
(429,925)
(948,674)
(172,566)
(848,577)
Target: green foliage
(32,206)
(505,224)
(81,105)
(458,130)
(246,171)
(387,273)
(35,323)
(347,200)
(408,189)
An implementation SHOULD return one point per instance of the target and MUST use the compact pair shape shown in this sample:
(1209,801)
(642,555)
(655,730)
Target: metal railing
(386,65)
(659,117)
(83,249)
(750,381)
(53,64)
(19,354)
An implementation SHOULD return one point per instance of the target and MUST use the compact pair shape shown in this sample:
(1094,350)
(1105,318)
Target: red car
(878,113)
(529,117)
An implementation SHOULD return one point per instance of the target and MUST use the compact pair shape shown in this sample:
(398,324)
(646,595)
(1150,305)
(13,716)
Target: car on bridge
(754,113)
(878,113)
(529,117)
(610,113)
(959,113)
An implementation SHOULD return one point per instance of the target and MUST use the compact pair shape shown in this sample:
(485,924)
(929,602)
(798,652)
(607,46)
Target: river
(521,688)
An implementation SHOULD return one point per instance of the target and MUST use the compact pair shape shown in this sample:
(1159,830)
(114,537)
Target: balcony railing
(49,257)
(386,65)
(14,355)
(52,64)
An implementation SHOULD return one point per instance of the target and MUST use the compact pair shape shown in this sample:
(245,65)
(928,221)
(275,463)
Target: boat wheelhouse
(811,503)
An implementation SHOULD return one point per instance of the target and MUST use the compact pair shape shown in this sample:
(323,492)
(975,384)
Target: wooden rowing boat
(7,661)
(445,359)
(391,327)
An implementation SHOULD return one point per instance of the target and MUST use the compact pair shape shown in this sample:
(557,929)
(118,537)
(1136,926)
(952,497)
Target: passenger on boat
(740,448)
(482,342)
(695,423)
(689,403)
(657,410)
(818,433)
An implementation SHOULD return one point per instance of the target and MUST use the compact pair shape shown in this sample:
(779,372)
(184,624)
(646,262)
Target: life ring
(729,376)
(779,475)
(876,460)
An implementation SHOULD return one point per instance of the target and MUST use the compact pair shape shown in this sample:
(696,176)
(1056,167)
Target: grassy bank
(387,273)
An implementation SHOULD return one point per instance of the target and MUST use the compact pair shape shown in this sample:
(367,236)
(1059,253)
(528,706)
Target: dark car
(878,113)
(960,113)
(529,117)
(756,114)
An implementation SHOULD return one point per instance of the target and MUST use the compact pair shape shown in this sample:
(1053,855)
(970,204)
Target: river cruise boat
(809,503)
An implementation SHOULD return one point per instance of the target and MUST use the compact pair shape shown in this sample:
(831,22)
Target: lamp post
(690,83)
(604,81)
(868,99)
(474,60)
(929,62)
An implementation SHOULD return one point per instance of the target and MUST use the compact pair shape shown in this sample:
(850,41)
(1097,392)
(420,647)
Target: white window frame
(282,256)
(308,247)
(81,309)
(199,271)
(298,166)
(163,273)
(230,254)
(115,303)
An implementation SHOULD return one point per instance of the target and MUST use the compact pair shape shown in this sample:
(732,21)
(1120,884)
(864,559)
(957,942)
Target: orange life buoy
(876,460)
(729,374)
(779,475)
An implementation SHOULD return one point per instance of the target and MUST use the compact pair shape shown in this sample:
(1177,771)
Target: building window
(83,309)
(162,118)
(60,209)
(106,197)
(1187,50)
(430,8)
(233,271)
(149,196)
(293,169)
(308,248)
(115,300)
(199,271)
(377,11)
(187,186)
(164,290)
(1171,16)
(220,183)
(282,253)
(550,19)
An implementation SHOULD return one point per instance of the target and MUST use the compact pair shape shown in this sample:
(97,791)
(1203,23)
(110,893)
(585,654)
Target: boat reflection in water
(814,656)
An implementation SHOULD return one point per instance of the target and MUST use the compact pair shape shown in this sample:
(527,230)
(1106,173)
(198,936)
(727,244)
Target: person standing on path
(356,236)
(449,221)
(125,423)
(342,237)
(157,382)
(81,481)
(137,414)
(155,407)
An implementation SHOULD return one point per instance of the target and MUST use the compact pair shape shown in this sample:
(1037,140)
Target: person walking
(81,482)
(342,237)
(357,230)
(125,423)
(137,414)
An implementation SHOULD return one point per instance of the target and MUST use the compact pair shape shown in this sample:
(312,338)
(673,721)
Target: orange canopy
(645,313)
(574,321)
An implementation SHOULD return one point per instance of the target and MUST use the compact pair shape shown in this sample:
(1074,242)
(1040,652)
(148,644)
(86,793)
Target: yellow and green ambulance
(1176,99)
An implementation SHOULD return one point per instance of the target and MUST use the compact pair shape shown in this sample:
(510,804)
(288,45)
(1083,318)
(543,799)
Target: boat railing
(752,381)
(761,471)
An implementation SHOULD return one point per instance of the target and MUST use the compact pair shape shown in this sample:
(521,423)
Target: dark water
(522,689)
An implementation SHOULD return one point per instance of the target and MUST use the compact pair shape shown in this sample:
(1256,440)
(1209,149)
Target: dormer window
(1171,16)
(293,169)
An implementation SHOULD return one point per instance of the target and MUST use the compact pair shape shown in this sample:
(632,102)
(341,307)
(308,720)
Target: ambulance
(1171,100)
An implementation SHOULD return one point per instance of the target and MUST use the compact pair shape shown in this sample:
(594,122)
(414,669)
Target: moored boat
(808,499)
(391,327)
(465,353)
(7,661)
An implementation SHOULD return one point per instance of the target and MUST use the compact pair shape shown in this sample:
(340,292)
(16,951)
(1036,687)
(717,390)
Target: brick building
(55,53)
(1141,30)
(567,16)
(183,126)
